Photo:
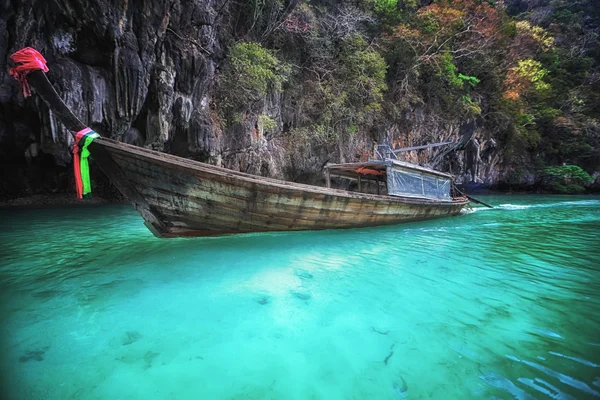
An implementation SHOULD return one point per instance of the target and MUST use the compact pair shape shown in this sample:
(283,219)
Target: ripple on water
(495,304)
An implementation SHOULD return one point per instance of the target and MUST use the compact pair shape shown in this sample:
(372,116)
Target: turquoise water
(500,303)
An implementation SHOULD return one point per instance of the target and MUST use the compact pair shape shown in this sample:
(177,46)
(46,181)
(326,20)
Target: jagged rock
(595,184)
(146,73)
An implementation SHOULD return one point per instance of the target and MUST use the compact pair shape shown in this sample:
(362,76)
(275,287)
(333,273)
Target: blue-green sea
(499,303)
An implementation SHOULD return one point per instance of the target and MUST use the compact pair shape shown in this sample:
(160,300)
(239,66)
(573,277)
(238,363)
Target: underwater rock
(149,357)
(263,300)
(301,296)
(130,337)
(36,355)
(389,355)
(380,332)
(465,351)
(400,388)
(304,275)
(47,294)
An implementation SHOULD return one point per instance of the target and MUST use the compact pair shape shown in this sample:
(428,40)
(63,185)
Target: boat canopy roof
(401,178)
(364,168)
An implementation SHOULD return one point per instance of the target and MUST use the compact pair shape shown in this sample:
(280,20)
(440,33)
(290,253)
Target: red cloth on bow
(27,60)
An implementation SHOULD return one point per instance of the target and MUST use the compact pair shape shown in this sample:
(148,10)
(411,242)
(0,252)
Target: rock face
(138,71)
(145,72)
(473,158)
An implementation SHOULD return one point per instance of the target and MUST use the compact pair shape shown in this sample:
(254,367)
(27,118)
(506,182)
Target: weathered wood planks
(191,198)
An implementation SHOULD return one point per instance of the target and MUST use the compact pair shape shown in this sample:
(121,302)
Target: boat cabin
(394,178)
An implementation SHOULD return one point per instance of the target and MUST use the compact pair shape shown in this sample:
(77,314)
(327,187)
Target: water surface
(500,303)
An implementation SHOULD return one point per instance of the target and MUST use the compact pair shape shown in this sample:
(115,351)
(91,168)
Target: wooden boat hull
(181,197)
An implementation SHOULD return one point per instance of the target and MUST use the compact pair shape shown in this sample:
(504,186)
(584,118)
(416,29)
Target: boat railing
(383,152)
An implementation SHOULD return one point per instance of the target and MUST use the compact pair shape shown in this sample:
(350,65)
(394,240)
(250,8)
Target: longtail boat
(180,197)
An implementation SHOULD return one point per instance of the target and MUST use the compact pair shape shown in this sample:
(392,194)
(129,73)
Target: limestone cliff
(145,72)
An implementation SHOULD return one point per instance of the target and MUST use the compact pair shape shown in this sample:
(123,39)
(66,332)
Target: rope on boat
(471,198)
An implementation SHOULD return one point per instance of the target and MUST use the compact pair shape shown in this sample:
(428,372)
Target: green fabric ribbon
(84,165)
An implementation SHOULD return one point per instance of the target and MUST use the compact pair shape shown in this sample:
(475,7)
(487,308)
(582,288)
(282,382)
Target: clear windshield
(413,184)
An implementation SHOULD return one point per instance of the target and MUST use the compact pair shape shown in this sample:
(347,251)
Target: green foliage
(568,174)
(471,80)
(351,97)
(528,139)
(453,87)
(547,115)
(533,71)
(449,69)
(564,16)
(366,65)
(509,30)
(249,73)
(471,110)
(565,189)
(566,179)
(255,68)
(516,177)
(392,11)
(363,70)
(266,123)
(385,6)
(525,119)
(540,35)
